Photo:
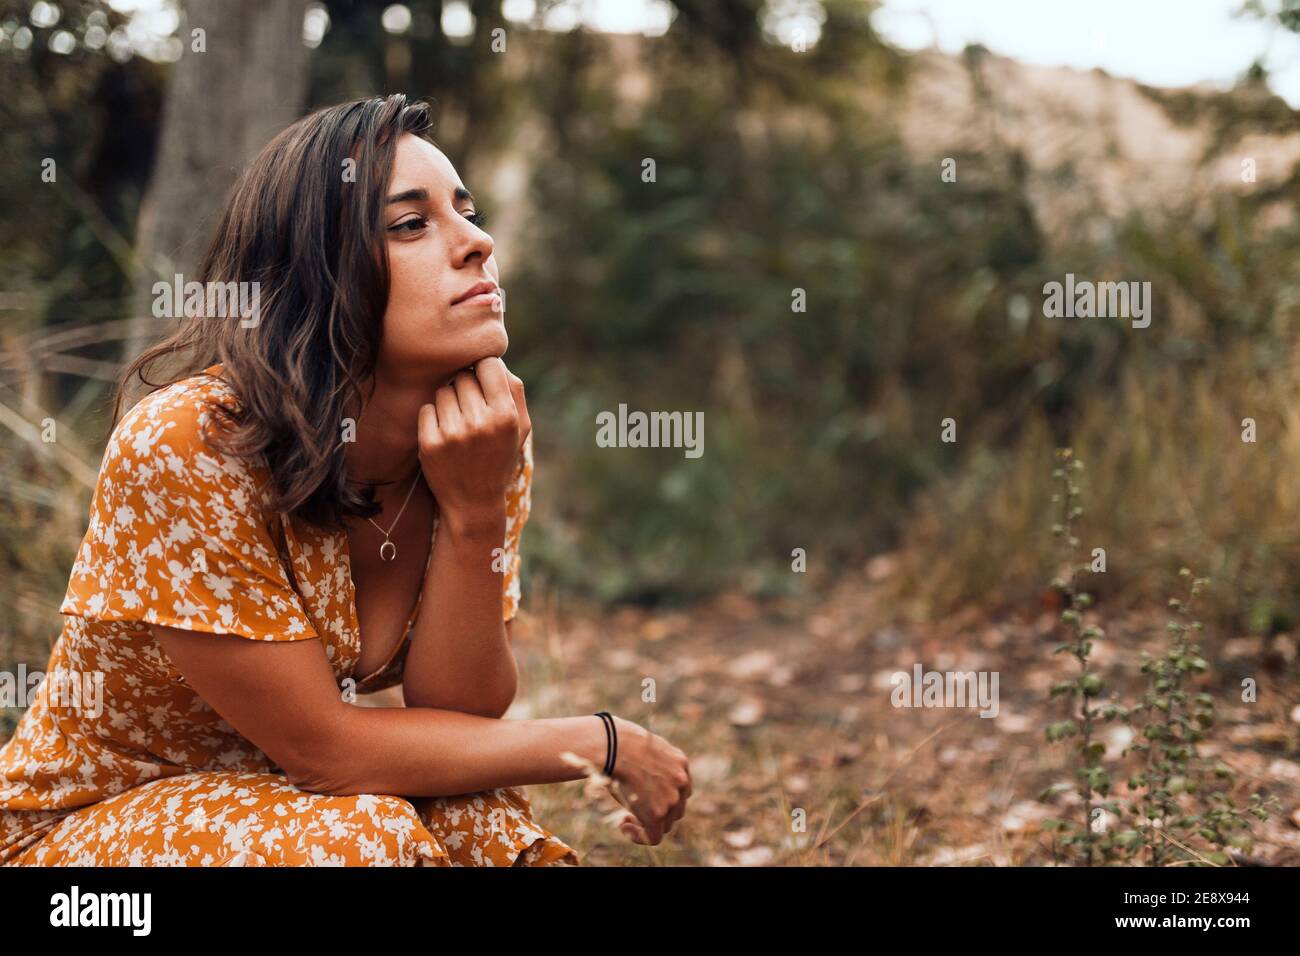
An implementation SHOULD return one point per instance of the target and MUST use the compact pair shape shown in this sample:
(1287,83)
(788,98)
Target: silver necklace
(388,550)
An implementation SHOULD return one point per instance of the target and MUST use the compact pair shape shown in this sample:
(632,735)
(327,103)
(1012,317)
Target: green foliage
(679,294)
(1176,804)
(1180,797)
(1094,779)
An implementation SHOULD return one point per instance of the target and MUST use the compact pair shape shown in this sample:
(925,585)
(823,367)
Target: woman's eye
(409,225)
(479,219)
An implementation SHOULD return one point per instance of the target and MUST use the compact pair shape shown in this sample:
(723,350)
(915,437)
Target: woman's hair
(304,222)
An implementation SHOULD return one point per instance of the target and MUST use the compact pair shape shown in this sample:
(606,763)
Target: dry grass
(1169,482)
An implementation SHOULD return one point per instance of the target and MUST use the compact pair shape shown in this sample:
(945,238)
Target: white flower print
(159,778)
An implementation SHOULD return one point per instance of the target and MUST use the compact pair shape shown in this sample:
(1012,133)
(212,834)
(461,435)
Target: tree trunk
(239,81)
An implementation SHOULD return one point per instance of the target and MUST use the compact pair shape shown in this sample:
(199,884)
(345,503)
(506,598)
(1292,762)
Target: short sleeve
(178,535)
(518,505)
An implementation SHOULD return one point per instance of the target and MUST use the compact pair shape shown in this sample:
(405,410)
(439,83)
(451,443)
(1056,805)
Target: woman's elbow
(507,697)
(492,703)
(322,766)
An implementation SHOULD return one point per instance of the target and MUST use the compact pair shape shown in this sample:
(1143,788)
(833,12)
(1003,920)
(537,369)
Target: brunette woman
(325,498)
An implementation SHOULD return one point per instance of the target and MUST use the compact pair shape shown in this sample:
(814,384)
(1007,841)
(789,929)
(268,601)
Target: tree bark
(236,85)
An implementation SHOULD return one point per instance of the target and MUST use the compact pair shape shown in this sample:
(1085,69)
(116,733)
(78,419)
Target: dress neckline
(344,547)
(346,550)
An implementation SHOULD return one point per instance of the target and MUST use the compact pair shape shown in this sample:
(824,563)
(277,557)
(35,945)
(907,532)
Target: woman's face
(435,255)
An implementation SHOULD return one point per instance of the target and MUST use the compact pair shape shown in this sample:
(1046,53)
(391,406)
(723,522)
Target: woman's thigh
(228,818)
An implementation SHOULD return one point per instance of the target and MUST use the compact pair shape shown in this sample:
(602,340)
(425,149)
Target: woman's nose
(476,241)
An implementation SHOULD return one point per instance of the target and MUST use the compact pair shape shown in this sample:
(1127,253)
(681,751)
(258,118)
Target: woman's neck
(386,445)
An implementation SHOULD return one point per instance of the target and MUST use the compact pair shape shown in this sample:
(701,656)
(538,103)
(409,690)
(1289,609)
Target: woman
(326,499)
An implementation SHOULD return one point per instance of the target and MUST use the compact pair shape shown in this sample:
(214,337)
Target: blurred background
(799,146)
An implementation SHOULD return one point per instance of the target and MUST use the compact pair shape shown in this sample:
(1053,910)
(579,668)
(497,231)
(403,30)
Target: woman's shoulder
(180,533)
(167,436)
(184,404)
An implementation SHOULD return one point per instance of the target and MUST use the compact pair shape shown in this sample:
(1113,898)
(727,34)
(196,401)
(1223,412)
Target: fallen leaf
(1025,816)
(755,856)
(850,683)
(948,855)
(655,629)
(1010,723)
(739,838)
(797,783)
(881,567)
(1116,739)
(752,665)
(747,713)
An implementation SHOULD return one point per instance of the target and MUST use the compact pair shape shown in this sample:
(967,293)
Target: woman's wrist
(486,522)
(591,741)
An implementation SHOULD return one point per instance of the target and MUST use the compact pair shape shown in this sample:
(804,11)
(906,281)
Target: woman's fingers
(641,833)
(521,407)
(445,401)
(633,831)
(492,375)
(677,812)
(503,389)
(469,396)
(427,427)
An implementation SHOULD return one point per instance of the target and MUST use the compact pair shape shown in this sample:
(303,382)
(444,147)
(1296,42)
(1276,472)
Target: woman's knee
(242,819)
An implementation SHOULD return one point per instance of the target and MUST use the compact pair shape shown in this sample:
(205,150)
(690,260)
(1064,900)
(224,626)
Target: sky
(1159,42)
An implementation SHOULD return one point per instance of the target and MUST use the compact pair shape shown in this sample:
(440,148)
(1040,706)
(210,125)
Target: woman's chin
(494,341)
(490,343)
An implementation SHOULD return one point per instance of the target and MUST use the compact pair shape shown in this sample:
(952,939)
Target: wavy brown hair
(304,221)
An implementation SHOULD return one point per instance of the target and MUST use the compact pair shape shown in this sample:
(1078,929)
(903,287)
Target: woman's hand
(470,438)
(657,779)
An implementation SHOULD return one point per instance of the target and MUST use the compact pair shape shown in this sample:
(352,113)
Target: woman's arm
(284,698)
(460,656)
(469,440)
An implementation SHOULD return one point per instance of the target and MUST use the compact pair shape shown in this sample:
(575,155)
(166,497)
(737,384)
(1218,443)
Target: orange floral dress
(119,762)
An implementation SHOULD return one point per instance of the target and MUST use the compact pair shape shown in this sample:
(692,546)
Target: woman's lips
(483,298)
(480,287)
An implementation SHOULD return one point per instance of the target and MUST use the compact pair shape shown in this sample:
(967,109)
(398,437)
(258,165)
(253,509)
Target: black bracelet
(611,742)
(608,739)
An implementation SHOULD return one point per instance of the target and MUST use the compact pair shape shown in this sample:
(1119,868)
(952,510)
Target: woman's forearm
(422,752)
(460,657)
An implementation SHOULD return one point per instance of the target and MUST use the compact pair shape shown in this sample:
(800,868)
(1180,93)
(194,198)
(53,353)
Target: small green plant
(1182,804)
(1083,691)
(1183,800)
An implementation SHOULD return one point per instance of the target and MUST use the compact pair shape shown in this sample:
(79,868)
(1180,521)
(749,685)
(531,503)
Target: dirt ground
(798,756)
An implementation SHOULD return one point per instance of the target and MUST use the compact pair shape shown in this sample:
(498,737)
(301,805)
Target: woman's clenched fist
(470,438)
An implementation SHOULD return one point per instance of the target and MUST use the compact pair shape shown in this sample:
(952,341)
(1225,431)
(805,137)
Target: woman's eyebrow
(422,195)
(409,195)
